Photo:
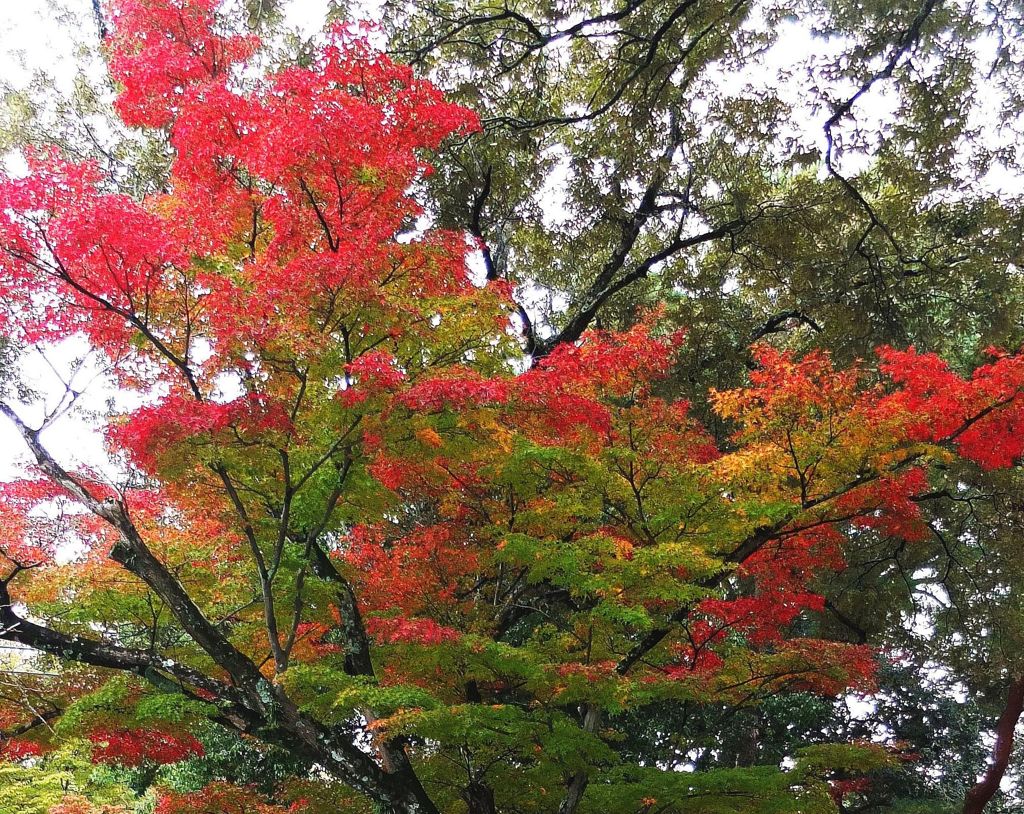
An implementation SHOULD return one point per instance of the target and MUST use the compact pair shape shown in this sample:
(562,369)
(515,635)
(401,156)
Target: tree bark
(982,792)
(479,798)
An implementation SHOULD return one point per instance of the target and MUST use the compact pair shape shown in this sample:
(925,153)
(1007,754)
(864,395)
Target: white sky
(33,40)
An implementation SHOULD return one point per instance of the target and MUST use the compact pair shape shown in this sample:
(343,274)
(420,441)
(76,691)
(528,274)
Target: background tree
(838,192)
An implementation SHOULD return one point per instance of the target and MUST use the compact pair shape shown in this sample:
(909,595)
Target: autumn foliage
(349,527)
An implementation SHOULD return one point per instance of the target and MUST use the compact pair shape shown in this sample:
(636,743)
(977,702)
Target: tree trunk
(984,790)
(479,798)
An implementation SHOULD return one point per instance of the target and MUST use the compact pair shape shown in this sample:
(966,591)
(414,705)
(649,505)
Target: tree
(827,176)
(773,199)
(346,530)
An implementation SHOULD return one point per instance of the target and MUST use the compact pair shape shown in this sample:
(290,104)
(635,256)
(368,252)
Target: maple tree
(349,529)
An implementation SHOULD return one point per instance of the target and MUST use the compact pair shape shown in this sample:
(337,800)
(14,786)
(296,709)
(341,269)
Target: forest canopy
(515,407)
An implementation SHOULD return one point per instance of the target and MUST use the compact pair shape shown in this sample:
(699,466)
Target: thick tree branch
(101,23)
(39,719)
(132,552)
(779,321)
(357,643)
(476,225)
(596,297)
(14,628)
(982,792)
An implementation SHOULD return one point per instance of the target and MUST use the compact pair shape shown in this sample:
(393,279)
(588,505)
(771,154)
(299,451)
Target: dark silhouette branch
(905,43)
(101,23)
(780,322)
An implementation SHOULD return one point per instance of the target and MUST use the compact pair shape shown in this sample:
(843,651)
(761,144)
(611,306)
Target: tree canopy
(518,407)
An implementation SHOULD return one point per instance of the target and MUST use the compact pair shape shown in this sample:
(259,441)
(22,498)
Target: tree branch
(982,792)
(907,41)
